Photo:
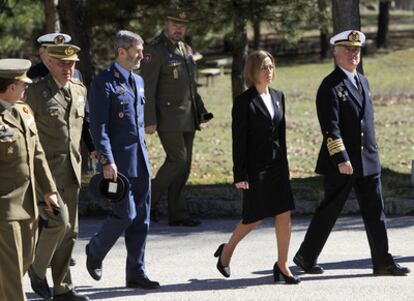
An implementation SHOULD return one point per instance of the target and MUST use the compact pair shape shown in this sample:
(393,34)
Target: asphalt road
(181,259)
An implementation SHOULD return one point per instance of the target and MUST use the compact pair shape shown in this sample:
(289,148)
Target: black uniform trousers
(337,189)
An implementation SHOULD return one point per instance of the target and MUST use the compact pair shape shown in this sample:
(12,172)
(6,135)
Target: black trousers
(337,189)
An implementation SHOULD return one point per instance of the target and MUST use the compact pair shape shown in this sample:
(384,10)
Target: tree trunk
(51,16)
(256,31)
(324,29)
(383,21)
(72,20)
(240,48)
(345,16)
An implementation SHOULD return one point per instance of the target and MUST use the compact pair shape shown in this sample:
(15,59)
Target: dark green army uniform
(22,160)
(59,113)
(170,88)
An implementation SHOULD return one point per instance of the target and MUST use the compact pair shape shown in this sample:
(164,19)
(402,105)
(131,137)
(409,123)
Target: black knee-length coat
(260,156)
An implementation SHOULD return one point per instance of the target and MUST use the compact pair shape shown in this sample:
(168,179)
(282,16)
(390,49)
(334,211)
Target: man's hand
(110,171)
(242,185)
(345,168)
(93,155)
(51,201)
(151,129)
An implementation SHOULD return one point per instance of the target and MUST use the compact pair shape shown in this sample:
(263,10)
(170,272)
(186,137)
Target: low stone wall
(225,201)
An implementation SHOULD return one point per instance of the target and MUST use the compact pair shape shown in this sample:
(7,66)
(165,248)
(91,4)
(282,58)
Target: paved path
(182,260)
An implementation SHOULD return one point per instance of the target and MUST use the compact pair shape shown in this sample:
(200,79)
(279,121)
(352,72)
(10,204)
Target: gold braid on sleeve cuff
(335,146)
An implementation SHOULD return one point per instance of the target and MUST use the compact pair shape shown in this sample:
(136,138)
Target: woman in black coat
(260,164)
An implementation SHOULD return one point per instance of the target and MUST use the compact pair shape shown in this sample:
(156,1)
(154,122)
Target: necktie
(131,82)
(358,83)
(66,94)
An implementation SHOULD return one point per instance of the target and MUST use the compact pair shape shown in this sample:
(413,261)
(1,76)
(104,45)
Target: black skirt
(269,193)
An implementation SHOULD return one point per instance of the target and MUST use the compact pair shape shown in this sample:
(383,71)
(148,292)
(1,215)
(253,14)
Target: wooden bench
(220,63)
(209,74)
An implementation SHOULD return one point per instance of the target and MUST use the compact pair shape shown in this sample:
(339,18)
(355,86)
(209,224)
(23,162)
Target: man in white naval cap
(22,163)
(41,69)
(348,159)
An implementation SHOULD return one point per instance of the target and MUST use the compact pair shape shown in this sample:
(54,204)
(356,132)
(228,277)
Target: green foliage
(18,20)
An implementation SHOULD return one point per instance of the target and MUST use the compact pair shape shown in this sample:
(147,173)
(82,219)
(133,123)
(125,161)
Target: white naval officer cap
(348,38)
(54,38)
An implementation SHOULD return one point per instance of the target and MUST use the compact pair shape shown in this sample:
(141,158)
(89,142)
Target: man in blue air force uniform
(117,127)
(348,159)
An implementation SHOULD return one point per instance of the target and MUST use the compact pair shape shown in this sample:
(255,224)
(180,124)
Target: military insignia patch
(59,39)
(335,146)
(353,36)
(69,51)
(120,91)
(342,94)
(26,110)
(147,58)
(4,127)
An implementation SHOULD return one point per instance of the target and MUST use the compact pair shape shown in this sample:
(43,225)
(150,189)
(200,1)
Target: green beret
(15,69)
(64,52)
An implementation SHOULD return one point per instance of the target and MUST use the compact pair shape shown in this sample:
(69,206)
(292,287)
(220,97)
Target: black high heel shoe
(288,279)
(225,271)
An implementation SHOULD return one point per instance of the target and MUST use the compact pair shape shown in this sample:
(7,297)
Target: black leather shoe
(39,285)
(72,262)
(225,271)
(391,270)
(70,296)
(185,222)
(288,279)
(307,267)
(93,266)
(143,283)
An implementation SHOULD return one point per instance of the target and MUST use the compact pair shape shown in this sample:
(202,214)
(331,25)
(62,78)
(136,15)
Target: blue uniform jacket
(117,121)
(347,125)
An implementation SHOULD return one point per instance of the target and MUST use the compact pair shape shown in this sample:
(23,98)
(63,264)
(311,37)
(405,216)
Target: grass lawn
(391,76)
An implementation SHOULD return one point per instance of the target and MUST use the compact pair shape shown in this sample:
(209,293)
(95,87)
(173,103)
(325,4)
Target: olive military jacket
(22,161)
(170,87)
(60,120)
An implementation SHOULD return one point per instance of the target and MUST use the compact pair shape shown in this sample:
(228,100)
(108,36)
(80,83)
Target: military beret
(15,69)
(108,189)
(179,16)
(348,38)
(54,38)
(64,52)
